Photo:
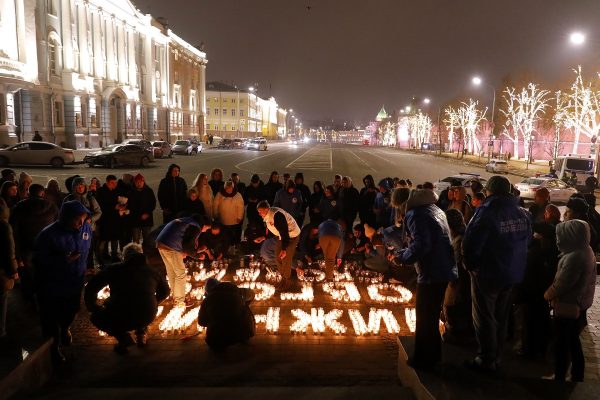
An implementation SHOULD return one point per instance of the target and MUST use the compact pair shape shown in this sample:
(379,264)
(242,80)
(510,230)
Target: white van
(583,166)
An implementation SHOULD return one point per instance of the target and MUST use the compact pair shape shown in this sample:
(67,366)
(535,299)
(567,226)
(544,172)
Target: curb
(408,377)
(33,373)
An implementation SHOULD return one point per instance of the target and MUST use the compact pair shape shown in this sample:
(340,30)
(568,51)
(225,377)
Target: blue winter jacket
(172,235)
(291,203)
(55,275)
(496,239)
(430,247)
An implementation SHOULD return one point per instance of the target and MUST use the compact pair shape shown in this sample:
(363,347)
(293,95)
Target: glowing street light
(426,100)
(407,109)
(476,81)
(577,38)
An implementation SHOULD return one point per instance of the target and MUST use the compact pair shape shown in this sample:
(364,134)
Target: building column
(84,56)
(132,61)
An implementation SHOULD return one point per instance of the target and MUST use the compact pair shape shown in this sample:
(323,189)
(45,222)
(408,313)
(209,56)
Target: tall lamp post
(254,89)
(477,81)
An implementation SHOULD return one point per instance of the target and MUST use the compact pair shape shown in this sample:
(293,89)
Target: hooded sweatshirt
(86,199)
(228,208)
(56,276)
(575,280)
(430,247)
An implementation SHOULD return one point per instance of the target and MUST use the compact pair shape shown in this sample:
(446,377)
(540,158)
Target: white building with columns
(84,73)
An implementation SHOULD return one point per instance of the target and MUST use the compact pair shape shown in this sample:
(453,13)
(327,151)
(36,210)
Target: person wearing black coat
(27,219)
(142,202)
(110,224)
(348,198)
(272,187)
(313,203)
(304,190)
(172,192)
(193,204)
(135,292)
(366,200)
(226,315)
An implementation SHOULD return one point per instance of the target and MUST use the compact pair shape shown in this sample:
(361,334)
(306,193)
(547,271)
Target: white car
(560,192)
(464,178)
(186,147)
(36,153)
(496,166)
(257,144)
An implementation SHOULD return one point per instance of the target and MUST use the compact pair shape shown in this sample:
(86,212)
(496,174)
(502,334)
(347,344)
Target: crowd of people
(483,263)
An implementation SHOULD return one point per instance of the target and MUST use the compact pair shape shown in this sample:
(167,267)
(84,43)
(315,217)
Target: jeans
(285,265)
(491,305)
(567,347)
(176,272)
(267,250)
(330,245)
(428,342)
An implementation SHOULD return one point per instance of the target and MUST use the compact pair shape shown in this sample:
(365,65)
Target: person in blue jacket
(495,252)
(60,259)
(430,249)
(290,200)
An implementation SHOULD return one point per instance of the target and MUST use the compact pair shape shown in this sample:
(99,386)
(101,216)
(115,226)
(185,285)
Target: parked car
(146,144)
(36,153)
(186,147)
(225,144)
(163,148)
(117,155)
(239,143)
(257,144)
(496,166)
(559,191)
(463,177)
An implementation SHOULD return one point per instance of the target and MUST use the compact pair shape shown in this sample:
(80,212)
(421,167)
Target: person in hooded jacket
(366,201)
(60,259)
(272,187)
(142,203)
(172,192)
(110,223)
(79,192)
(430,249)
(382,205)
(290,199)
(304,190)
(8,265)
(570,295)
(228,208)
(7,175)
(135,292)
(27,219)
(226,315)
(9,193)
(54,194)
(253,195)
(193,203)
(495,252)
(328,207)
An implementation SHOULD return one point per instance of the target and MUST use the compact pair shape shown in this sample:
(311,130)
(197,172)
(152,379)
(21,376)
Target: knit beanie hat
(578,205)
(498,185)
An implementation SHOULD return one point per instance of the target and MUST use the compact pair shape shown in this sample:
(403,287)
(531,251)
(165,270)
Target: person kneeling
(135,291)
(226,315)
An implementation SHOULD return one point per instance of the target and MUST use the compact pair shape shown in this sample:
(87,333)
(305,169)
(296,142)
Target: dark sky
(343,59)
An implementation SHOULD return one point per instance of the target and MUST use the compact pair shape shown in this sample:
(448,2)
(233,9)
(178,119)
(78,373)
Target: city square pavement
(285,365)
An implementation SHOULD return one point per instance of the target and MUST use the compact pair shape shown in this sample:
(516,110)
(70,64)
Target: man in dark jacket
(366,201)
(172,192)
(252,196)
(135,291)
(495,251)
(290,199)
(272,187)
(226,315)
(142,203)
(60,258)
(304,190)
(28,218)
(8,265)
(349,200)
(110,224)
(430,249)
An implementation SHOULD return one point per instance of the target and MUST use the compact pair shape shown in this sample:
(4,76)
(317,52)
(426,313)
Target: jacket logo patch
(85,236)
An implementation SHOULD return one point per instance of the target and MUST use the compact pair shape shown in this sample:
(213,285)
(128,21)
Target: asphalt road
(316,161)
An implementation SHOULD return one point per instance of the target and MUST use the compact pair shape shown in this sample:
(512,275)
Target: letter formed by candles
(270,319)
(318,321)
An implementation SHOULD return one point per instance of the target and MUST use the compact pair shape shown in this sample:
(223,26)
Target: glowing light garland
(405,295)
(307,294)
(263,291)
(342,291)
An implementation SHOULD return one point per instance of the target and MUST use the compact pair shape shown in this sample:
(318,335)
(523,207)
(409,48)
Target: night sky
(343,59)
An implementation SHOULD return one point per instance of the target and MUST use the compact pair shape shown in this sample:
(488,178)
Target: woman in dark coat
(366,201)
(193,203)
(142,202)
(313,203)
(328,207)
(272,187)
(253,194)
(348,198)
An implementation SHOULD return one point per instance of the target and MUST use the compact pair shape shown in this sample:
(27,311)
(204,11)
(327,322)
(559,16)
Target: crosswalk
(319,158)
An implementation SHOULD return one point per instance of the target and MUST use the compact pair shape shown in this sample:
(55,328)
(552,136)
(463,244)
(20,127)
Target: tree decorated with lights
(559,120)
(467,118)
(388,133)
(451,122)
(420,127)
(523,111)
(582,110)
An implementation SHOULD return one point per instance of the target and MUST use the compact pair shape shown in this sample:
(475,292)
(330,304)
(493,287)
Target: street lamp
(577,38)
(477,81)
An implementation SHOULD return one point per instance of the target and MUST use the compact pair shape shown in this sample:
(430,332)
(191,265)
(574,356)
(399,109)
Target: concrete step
(238,393)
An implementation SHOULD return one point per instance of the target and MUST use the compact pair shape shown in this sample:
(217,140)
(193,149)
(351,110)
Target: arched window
(52,57)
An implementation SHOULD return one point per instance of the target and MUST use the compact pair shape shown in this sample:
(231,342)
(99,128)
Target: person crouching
(135,291)
(226,315)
